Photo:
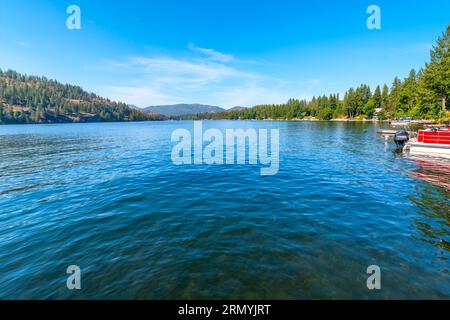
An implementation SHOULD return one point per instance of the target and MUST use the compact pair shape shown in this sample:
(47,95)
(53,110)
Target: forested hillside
(423,95)
(29,99)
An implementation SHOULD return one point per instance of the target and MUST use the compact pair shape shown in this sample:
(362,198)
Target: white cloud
(138,96)
(214,79)
(211,53)
(194,71)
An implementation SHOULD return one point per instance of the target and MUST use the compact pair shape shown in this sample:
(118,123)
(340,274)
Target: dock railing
(434,137)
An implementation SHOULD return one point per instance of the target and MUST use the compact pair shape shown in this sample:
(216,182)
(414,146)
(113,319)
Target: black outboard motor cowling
(400,138)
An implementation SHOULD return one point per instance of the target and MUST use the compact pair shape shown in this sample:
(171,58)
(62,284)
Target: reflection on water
(435,202)
(433,170)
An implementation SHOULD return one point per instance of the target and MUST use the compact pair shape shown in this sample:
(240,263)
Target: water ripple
(106,197)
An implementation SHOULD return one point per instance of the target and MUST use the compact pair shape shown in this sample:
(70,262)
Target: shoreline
(426,122)
(422,121)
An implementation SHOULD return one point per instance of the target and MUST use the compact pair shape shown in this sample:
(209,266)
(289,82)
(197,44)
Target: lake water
(107,197)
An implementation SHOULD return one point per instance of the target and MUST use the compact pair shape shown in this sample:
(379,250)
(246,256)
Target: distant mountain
(237,108)
(183,109)
(30,99)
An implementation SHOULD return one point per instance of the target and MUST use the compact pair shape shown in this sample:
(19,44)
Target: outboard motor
(400,138)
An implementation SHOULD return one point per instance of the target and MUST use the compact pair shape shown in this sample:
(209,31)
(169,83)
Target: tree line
(423,94)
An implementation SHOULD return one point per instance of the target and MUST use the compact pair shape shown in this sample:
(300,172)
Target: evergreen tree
(408,95)
(385,98)
(436,75)
(377,98)
(394,97)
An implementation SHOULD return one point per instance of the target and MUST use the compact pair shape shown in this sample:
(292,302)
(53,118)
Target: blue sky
(226,53)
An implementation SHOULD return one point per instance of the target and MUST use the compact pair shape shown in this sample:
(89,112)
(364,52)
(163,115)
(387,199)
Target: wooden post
(443,103)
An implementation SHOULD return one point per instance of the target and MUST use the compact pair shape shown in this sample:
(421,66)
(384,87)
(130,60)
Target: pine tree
(377,98)
(436,75)
(385,97)
(394,97)
(409,92)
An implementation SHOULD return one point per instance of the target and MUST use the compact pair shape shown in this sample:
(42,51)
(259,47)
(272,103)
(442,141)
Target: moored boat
(432,142)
